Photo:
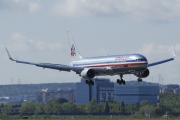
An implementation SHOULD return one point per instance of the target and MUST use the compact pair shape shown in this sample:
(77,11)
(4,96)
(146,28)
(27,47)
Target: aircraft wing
(160,62)
(163,61)
(48,65)
(53,66)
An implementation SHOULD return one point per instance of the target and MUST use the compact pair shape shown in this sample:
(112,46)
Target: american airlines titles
(122,58)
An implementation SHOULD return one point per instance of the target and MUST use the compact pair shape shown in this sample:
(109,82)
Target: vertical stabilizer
(74,53)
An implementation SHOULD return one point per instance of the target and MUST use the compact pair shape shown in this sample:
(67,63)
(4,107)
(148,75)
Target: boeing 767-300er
(90,67)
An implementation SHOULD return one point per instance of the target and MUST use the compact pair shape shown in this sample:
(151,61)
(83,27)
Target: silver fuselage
(115,64)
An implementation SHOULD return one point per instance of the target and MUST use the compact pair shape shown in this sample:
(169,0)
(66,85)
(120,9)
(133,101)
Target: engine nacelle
(88,73)
(142,74)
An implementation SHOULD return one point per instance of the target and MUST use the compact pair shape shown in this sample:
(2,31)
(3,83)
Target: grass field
(102,119)
(90,118)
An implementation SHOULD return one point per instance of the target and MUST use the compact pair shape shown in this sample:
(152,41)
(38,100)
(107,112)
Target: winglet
(173,53)
(9,54)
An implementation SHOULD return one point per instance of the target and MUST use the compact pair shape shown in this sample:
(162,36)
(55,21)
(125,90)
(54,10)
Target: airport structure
(103,90)
(171,88)
(134,92)
(46,95)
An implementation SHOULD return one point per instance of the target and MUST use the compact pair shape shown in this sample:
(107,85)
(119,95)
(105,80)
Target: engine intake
(143,74)
(88,73)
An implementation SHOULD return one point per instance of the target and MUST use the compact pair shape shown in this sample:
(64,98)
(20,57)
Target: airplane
(90,67)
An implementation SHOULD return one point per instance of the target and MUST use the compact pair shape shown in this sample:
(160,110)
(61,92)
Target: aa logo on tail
(73,51)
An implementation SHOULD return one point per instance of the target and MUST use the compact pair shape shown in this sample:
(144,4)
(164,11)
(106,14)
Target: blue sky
(35,31)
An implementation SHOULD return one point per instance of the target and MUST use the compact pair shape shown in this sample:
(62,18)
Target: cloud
(19,6)
(20,42)
(169,71)
(137,9)
(150,49)
(34,7)
(177,47)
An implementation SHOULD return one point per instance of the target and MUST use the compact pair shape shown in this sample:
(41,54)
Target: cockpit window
(140,59)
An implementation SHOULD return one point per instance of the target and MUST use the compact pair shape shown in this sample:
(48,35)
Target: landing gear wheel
(89,82)
(139,80)
(118,81)
(121,81)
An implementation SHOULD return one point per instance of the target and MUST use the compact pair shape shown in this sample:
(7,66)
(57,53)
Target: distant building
(28,92)
(171,88)
(167,90)
(102,91)
(46,95)
(178,91)
(11,99)
(135,92)
(82,93)
(105,91)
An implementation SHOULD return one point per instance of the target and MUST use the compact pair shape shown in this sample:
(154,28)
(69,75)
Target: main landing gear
(89,82)
(121,81)
(139,79)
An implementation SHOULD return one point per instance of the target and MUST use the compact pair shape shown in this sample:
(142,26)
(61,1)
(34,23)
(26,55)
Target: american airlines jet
(88,68)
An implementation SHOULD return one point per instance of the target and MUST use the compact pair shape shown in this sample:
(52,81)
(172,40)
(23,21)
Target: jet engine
(142,74)
(88,73)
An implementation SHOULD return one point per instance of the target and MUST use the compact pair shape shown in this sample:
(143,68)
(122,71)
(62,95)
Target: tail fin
(74,52)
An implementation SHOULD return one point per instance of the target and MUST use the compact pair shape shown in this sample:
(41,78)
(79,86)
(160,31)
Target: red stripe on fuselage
(117,65)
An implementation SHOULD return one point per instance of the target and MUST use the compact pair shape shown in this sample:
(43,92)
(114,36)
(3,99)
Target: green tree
(80,108)
(53,107)
(5,111)
(144,103)
(2,105)
(48,108)
(62,100)
(106,111)
(91,107)
(123,107)
(100,108)
(27,108)
(132,108)
(169,102)
(115,107)
(69,108)
(147,110)
(39,109)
